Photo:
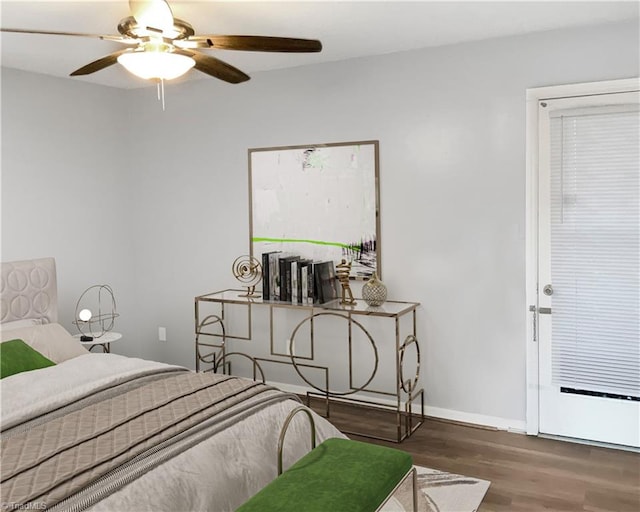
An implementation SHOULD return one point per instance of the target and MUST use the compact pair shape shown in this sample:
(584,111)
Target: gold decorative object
(248,271)
(374,291)
(343,270)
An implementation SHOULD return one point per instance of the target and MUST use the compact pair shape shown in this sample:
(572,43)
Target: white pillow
(52,340)
(17,324)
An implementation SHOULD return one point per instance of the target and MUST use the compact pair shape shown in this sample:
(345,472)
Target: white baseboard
(482,420)
(497,422)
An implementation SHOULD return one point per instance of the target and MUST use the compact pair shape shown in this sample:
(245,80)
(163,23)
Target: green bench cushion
(338,475)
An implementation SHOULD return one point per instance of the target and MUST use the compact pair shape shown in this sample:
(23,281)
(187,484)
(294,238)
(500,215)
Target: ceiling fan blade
(216,67)
(105,37)
(99,64)
(260,43)
(155,14)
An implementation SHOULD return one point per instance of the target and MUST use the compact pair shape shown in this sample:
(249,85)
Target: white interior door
(589,268)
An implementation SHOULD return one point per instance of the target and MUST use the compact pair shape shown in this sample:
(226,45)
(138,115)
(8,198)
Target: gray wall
(64,184)
(451,126)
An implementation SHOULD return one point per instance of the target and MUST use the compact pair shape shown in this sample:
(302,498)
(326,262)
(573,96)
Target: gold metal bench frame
(411,473)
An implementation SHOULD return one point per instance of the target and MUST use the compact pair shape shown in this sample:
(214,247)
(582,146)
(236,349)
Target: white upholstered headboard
(29,290)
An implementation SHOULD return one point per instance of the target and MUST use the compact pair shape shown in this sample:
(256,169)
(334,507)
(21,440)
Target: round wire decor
(96,311)
(248,271)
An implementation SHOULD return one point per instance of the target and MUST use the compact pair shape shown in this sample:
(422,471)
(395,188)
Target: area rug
(440,492)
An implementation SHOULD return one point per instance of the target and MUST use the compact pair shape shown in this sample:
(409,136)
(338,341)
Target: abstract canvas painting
(320,202)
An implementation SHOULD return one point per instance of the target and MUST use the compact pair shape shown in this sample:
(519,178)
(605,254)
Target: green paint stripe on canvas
(300,241)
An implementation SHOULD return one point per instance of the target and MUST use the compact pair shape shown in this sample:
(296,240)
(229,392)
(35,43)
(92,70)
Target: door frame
(533,96)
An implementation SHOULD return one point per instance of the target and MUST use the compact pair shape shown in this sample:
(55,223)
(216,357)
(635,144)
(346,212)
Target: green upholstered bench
(337,475)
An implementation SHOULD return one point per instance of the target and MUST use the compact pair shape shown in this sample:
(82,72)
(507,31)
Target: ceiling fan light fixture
(154,14)
(167,47)
(161,65)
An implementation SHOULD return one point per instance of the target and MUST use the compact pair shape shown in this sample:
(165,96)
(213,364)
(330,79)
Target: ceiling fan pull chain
(162,89)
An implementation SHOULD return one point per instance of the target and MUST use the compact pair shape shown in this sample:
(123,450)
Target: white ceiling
(346,29)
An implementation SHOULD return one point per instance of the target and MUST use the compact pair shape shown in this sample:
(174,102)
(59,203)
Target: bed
(103,432)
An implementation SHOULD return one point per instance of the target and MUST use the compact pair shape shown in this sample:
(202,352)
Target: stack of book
(290,278)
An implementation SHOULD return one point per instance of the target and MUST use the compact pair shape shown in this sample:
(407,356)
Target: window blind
(595,249)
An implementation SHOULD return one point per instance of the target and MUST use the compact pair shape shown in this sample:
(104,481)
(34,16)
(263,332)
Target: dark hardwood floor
(526,473)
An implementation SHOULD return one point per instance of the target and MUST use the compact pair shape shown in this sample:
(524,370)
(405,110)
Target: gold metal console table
(212,338)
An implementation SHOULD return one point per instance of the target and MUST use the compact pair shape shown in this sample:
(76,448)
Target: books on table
(289,278)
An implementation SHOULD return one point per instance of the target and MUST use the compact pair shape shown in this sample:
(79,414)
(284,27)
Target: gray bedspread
(73,456)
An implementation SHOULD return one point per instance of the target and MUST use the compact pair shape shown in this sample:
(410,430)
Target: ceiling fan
(162,47)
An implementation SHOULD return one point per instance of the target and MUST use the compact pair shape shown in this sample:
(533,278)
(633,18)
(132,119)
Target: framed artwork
(319,201)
